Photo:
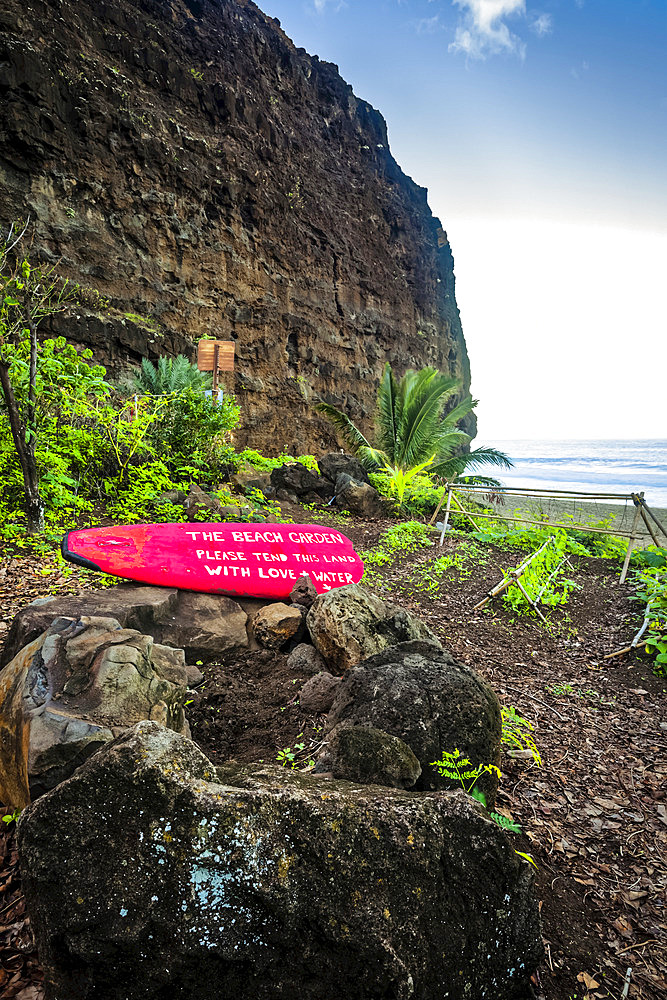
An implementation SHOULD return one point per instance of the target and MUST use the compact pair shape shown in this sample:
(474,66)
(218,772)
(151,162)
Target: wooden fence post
(636,499)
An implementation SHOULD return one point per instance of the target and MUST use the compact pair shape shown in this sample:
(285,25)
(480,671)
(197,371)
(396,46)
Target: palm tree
(170,375)
(411,428)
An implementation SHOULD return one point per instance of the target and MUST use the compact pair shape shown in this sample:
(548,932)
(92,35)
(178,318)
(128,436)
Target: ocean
(623,466)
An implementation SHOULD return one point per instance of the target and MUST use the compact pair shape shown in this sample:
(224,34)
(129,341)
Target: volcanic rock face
(186,160)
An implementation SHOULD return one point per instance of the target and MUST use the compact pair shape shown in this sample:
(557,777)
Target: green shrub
(263,464)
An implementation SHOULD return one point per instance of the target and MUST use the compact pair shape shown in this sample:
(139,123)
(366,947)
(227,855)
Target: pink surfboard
(241,560)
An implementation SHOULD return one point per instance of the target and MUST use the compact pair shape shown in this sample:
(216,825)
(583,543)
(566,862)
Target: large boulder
(350,623)
(268,885)
(75,687)
(420,693)
(204,625)
(145,609)
(298,480)
(335,463)
(359,498)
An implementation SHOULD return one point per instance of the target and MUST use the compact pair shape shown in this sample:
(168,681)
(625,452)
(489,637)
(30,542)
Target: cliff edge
(185,159)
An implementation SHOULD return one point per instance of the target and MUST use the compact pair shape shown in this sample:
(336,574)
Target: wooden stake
(650,513)
(650,527)
(636,499)
(465,512)
(531,602)
(513,576)
(437,509)
(446,521)
(216,371)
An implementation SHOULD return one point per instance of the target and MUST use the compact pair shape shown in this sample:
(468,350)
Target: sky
(540,131)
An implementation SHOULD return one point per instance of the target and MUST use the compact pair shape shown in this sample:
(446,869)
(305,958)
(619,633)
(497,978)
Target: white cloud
(541,24)
(482,29)
(321,5)
(428,25)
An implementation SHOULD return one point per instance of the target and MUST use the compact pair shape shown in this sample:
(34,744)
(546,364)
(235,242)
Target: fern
(170,375)
(517,733)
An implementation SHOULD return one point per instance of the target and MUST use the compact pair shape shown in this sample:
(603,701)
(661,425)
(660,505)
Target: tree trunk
(25,453)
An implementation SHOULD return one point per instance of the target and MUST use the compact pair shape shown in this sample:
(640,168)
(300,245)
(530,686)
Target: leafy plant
(170,375)
(292,756)
(461,562)
(260,462)
(651,588)
(409,536)
(11,817)
(29,292)
(192,431)
(456,767)
(398,480)
(412,425)
(544,580)
(517,733)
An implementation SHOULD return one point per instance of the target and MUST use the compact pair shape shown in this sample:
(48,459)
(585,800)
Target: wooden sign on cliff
(210,351)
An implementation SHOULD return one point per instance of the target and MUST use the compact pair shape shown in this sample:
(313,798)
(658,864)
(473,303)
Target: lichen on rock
(268,883)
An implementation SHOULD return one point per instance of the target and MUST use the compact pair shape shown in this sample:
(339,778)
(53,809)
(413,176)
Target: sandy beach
(556,511)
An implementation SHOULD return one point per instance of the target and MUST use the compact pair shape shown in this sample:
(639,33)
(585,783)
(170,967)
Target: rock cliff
(186,160)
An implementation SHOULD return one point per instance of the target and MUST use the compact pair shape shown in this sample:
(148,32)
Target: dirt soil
(594,816)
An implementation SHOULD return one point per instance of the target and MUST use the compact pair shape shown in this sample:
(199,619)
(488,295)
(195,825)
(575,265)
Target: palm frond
(352,436)
(170,375)
(480,481)
(460,411)
(459,465)
(389,407)
(372,459)
(489,456)
(426,394)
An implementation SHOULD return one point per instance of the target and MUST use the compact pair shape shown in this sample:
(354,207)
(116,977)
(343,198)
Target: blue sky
(540,131)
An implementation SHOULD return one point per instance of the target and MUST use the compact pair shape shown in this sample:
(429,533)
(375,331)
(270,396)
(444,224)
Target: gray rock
(420,693)
(229,512)
(332,465)
(349,624)
(358,497)
(295,479)
(142,608)
(243,482)
(194,675)
(275,624)
(205,626)
(303,592)
(317,694)
(68,691)
(286,496)
(175,497)
(197,500)
(368,756)
(304,659)
(257,882)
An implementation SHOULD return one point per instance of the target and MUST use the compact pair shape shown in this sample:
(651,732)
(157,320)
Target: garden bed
(593,816)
